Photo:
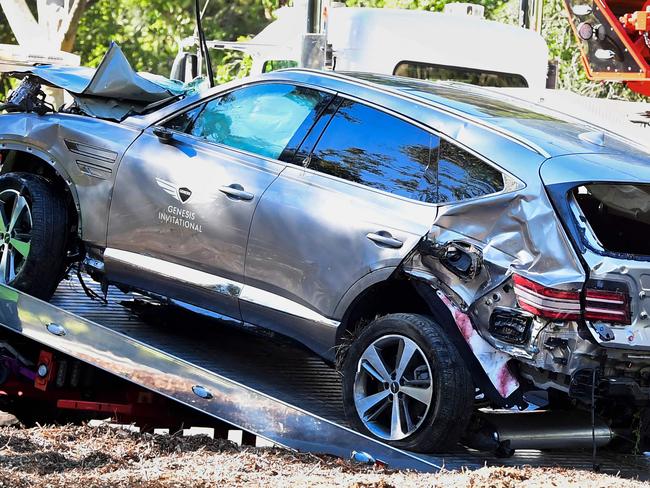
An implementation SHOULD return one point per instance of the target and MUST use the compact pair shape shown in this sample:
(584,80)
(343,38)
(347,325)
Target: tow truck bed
(267,386)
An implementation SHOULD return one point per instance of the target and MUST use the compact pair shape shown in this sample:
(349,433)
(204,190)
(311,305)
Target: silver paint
(214,284)
(44,138)
(376,391)
(301,242)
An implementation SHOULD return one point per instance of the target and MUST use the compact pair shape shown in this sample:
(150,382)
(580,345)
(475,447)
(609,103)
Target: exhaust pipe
(505,431)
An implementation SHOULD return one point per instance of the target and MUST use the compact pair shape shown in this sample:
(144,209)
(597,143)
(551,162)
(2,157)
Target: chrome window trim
(428,104)
(212,96)
(510,181)
(216,284)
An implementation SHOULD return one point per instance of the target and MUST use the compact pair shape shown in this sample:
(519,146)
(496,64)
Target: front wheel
(405,383)
(33,234)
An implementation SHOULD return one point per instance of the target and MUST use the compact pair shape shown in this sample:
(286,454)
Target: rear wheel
(33,234)
(406,384)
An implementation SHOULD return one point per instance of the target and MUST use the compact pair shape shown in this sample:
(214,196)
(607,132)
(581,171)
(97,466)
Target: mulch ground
(87,457)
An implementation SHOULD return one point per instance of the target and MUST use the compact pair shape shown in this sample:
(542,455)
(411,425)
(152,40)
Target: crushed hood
(113,90)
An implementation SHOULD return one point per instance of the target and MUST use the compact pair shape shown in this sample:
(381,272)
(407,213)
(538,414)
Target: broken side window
(261,119)
(618,214)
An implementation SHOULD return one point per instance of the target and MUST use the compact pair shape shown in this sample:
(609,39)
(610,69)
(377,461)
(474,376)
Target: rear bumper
(624,389)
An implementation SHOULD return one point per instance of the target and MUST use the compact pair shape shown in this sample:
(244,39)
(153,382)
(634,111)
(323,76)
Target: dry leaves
(89,457)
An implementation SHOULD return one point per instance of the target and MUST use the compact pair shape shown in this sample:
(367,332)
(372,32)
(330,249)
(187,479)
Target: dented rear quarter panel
(86,152)
(516,232)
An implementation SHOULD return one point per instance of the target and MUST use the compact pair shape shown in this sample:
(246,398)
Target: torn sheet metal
(512,232)
(113,90)
(521,232)
(494,362)
(113,78)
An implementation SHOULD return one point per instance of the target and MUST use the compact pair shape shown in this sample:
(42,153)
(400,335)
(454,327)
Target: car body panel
(309,239)
(203,229)
(632,270)
(86,153)
(633,167)
(113,90)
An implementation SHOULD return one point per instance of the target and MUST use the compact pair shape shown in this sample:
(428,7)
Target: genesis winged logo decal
(185,194)
(180,194)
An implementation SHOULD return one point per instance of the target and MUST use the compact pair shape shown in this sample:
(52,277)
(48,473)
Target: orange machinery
(614,40)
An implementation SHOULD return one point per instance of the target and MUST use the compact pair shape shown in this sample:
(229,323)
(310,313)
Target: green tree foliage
(149,30)
(6,37)
(433,5)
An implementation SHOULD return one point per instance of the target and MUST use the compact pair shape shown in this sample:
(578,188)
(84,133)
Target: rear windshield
(618,214)
(433,72)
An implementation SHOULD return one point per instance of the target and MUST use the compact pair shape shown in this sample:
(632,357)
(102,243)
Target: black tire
(41,270)
(452,400)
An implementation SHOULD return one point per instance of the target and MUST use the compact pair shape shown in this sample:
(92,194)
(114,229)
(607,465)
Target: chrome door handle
(236,191)
(384,238)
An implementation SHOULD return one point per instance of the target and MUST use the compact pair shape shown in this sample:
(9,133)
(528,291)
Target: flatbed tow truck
(60,353)
(138,360)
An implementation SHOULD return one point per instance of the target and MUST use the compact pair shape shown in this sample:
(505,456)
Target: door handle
(236,191)
(384,238)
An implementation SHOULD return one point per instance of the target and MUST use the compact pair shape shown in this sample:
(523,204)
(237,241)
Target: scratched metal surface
(285,371)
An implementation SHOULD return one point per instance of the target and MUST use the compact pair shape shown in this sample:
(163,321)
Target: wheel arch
(25,158)
(400,293)
(378,293)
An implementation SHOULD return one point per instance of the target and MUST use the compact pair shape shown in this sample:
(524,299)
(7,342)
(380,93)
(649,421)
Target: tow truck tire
(33,234)
(431,393)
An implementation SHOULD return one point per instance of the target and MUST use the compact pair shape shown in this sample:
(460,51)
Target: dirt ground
(88,457)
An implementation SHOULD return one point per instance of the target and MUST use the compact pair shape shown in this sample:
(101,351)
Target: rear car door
(356,202)
(187,189)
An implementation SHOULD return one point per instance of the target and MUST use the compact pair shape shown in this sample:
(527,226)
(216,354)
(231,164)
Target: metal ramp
(266,386)
(188,370)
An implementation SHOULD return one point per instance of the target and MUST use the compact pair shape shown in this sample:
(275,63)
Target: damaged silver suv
(447,247)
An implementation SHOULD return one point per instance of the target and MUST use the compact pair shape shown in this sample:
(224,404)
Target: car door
(186,191)
(356,202)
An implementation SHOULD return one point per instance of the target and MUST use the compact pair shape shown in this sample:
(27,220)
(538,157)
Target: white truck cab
(13,57)
(457,44)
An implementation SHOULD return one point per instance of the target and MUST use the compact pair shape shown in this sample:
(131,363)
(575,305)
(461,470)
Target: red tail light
(547,302)
(551,303)
(608,306)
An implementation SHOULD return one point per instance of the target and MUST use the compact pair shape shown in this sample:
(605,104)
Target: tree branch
(23,24)
(74,16)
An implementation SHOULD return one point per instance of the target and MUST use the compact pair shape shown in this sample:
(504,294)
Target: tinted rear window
(432,72)
(379,150)
(462,175)
(368,146)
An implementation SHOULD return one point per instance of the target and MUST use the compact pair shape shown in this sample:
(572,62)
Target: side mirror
(164,135)
(185,67)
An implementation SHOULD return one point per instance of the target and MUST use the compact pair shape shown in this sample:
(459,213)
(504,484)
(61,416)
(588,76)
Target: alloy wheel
(393,388)
(15,233)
